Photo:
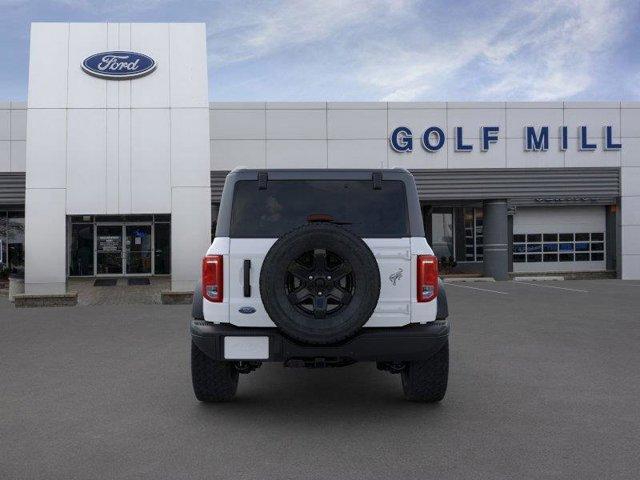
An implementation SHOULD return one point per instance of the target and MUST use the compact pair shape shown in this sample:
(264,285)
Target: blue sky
(378,49)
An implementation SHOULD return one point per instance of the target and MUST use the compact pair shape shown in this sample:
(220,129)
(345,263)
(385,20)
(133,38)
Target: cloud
(408,50)
(263,28)
(548,50)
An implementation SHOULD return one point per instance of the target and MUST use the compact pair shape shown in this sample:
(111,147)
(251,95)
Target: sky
(377,50)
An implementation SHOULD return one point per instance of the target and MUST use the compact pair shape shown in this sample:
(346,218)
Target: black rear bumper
(413,342)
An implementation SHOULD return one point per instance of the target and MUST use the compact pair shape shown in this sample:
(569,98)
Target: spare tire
(320,283)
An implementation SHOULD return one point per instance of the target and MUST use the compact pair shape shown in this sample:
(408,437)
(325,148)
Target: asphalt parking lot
(544,383)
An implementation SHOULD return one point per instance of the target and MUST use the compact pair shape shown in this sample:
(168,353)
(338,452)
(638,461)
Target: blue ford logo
(118,65)
(247,310)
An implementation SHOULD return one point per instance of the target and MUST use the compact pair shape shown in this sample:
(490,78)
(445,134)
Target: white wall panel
(420,105)
(47,148)
(238,124)
(150,161)
(113,43)
(188,56)
(630,211)
(630,120)
(229,154)
(86,91)
(5,124)
(418,120)
(472,119)
(152,91)
(356,124)
(296,105)
(190,235)
(296,154)
(190,147)
(592,118)
(45,241)
(357,105)
(296,124)
(630,181)
(86,161)
(18,124)
(358,154)
(630,268)
(111,162)
(517,157)
(124,161)
(598,158)
(518,118)
(630,153)
(495,157)
(124,86)
(631,239)
(48,62)
(5,156)
(18,156)
(418,158)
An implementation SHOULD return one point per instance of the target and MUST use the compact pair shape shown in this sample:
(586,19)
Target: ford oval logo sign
(247,310)
(118,65)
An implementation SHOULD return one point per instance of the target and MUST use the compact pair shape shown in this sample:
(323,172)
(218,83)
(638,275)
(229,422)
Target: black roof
(320,173)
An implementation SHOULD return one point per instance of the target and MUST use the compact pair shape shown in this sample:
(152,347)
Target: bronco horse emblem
(394,277)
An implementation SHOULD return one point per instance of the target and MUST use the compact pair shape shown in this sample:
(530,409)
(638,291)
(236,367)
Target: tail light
(212,278)
(427,278)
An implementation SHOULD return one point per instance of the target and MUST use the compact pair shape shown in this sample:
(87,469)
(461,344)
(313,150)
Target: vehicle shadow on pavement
(355,393)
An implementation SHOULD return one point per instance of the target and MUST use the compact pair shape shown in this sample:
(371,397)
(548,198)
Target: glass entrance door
(109,250)
(139,249)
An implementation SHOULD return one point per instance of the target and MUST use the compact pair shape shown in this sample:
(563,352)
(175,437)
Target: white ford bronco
(319,268)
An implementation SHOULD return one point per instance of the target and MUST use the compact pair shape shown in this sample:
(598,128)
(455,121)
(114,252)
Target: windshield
(287,204)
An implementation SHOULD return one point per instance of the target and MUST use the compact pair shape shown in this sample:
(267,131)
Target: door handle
(246,267)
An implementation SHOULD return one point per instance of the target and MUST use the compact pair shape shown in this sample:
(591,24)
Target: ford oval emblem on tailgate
(247,310)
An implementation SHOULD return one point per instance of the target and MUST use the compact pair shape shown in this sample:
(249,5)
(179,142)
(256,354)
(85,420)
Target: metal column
(495,233)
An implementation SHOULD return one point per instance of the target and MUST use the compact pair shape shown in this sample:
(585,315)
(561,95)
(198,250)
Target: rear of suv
(319,268)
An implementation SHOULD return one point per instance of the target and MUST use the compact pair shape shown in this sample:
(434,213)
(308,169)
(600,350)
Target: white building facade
(114,177)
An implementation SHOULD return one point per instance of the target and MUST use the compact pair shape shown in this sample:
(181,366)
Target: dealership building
(114,165)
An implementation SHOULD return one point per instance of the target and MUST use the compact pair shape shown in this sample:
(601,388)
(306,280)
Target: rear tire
(426,381)
(213,381)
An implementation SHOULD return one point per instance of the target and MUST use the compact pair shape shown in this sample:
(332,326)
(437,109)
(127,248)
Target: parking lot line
(475,288)
(551,286)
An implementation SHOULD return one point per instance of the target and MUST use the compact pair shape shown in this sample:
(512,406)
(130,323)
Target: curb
(538,279)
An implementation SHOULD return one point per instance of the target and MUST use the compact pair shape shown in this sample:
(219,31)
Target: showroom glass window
(81,250)
(442,229)
(558,247)
(12,240)
(120,244)
(473,238)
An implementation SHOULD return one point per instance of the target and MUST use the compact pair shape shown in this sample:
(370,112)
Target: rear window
(287,204)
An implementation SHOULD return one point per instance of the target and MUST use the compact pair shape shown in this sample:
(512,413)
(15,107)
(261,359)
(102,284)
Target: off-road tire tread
(267,277)
(213,381)
(426,380)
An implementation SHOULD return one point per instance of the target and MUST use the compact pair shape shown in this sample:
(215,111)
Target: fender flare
(443,306)
(196,304)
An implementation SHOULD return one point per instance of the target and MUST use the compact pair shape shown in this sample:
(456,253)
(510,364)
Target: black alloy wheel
(319,283)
